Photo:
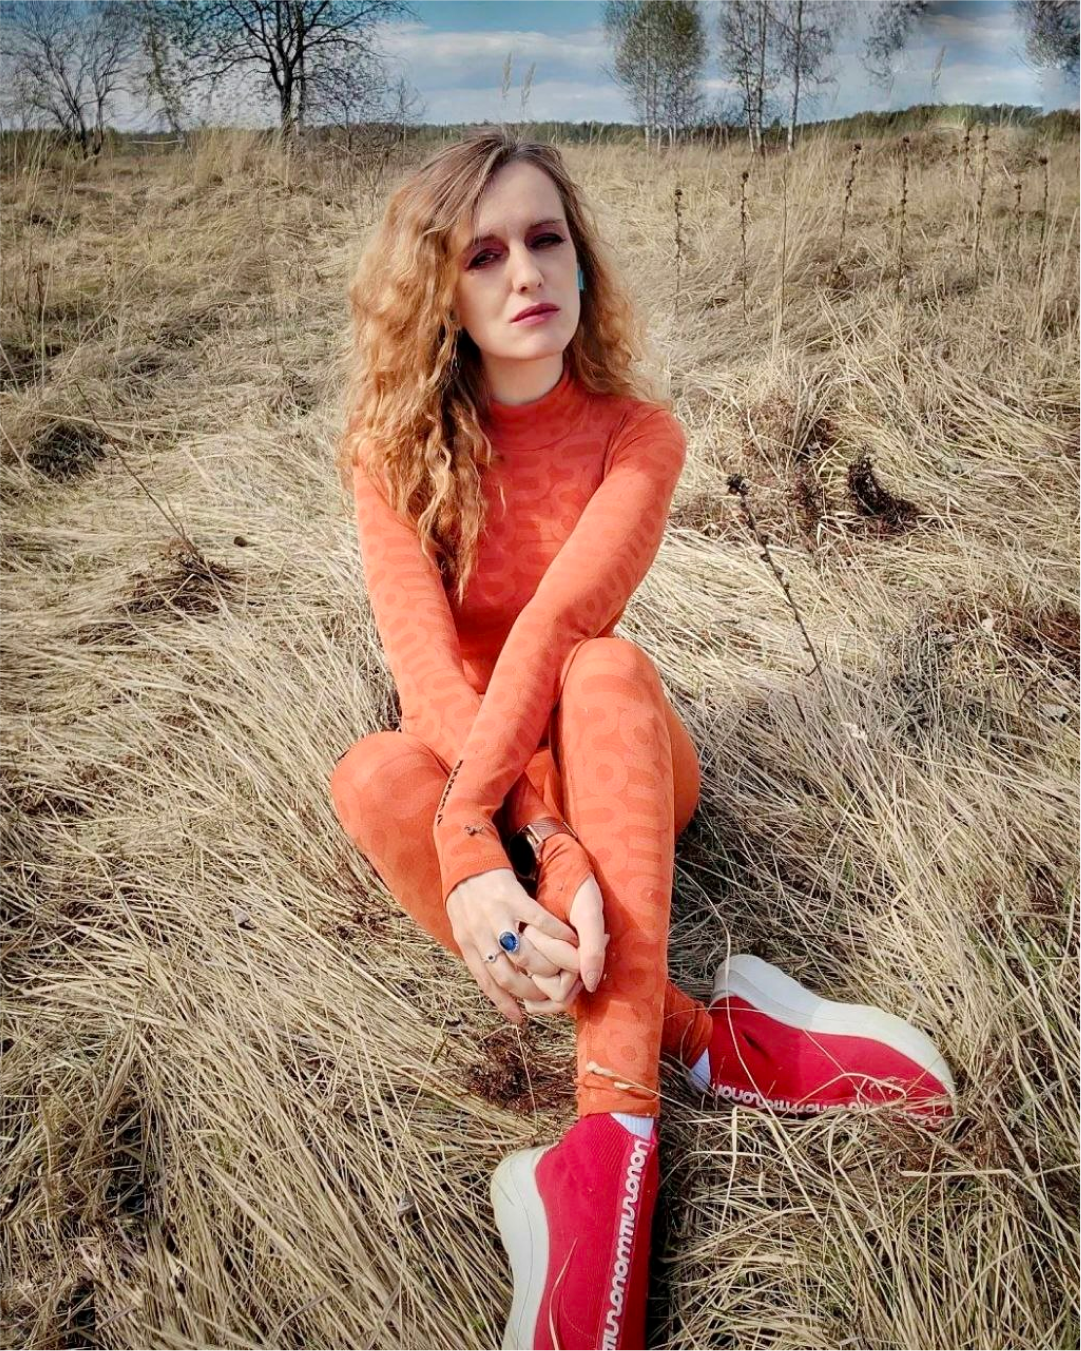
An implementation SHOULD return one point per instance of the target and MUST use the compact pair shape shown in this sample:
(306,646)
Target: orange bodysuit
(521,701)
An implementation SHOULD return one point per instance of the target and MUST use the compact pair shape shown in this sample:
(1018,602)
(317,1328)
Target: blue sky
(453,54)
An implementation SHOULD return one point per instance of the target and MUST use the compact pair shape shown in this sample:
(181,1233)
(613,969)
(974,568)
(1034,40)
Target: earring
(581,280)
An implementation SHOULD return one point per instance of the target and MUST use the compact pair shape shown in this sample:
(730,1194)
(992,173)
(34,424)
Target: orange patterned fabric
(572,720)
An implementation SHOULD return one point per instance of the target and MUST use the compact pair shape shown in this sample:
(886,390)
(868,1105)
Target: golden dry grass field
(248,1103)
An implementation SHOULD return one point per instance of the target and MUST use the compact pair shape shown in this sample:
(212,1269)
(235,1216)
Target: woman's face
(522,255)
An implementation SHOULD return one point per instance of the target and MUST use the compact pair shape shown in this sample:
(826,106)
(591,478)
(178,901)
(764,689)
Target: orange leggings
(620,767)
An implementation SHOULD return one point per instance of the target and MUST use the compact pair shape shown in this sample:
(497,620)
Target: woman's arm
(585,587)
(416,628)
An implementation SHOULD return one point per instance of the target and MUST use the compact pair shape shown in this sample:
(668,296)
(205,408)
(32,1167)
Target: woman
(512,487)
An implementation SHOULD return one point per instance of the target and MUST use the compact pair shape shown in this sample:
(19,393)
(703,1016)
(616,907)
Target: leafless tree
(347,94)
(163,70)
(749,32)
(890,23)
(361,96)
(682,101)
(62,64)
(374,116)
(285,46)
(1051,33)
(660,56)
(807,30)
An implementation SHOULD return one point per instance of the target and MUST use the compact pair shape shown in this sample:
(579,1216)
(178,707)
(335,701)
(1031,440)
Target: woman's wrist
(523,806)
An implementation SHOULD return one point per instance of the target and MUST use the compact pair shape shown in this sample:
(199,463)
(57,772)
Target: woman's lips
(536,318)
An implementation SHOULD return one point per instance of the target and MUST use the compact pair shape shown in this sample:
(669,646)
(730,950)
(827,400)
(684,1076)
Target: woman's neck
(513,383)
(540,422)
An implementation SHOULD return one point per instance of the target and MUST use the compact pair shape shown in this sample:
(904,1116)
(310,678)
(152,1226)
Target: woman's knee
(359,781)
(610,656)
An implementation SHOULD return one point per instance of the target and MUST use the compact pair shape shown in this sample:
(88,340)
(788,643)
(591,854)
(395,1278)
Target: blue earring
(581,280)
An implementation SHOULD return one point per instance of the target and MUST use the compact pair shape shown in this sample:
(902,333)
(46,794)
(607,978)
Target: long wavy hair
(415,391)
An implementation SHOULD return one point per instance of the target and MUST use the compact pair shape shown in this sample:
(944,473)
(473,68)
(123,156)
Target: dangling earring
(581,280)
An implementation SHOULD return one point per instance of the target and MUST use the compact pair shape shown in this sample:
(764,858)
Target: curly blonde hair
(416,393)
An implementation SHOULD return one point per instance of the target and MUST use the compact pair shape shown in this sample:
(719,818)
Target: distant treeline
(1056,125)
(1060,124)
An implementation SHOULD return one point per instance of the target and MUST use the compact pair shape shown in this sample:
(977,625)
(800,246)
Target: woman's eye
(478,261)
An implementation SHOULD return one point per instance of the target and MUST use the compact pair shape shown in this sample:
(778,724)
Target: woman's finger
(503,1001)
(563,955)
(516,983)
(554,1005)
(587,916)
(532,912)
(532,960)
(556,987)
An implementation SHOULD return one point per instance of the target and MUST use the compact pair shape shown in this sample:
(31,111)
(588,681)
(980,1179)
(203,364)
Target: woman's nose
(523,267)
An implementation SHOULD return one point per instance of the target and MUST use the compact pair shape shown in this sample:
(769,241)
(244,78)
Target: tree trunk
(760,90)
(287,111)
(797,61)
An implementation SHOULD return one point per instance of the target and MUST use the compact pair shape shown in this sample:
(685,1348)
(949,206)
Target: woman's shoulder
(634,416)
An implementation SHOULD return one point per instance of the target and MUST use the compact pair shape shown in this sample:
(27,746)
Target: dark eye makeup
(484,253)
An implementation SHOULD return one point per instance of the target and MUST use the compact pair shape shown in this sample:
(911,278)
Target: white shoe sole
(523,1227)
(766,987)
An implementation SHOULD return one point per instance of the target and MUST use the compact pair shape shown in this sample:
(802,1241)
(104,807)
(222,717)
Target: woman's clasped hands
(555,959)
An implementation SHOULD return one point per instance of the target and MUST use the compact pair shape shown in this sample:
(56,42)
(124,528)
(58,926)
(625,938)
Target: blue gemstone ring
(509,941)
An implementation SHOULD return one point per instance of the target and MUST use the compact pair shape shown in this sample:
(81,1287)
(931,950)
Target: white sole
(767,988)
(523,1227)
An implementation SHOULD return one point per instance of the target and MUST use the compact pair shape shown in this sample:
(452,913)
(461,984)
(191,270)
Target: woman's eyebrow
(481,239)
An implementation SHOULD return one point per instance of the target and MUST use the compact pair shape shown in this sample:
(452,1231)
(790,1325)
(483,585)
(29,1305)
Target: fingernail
(592,980)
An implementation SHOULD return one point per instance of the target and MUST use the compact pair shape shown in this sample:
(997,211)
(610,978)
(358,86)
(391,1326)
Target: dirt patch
(503,1077)
(194,585)
(890,513)
(706,513)
(1047,634)
(65,450)
(20,362)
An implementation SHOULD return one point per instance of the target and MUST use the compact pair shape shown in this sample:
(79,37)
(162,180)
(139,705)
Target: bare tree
(163,72)
(890,24)
(375,116)
(1051,33)
(286,46)
(682,100)
(632,27)
(736,34)
(807,33)
(359,92)
(63,63)
(748,32)
(1050,27)
(659,58)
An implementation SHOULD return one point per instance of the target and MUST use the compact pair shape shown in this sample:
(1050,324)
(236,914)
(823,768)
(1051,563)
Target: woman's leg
(386,789)
(687,1025)
(611,741)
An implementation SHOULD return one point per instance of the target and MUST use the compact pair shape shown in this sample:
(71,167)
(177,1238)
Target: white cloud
(459,73)
(472,56)
(982,31)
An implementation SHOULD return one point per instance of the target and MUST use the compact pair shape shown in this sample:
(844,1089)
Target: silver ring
(492,957)
(509,941)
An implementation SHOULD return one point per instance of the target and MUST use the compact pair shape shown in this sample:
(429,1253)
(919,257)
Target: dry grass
(248,1103)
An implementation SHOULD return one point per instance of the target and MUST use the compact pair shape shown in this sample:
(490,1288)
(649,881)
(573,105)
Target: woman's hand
(480,909)
(566,870)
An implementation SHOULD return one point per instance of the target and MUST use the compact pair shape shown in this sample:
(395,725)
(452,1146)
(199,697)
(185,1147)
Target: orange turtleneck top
(576,510)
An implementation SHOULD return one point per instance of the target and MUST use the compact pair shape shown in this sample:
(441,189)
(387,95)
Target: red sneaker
(575,1220)
(777,1044)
